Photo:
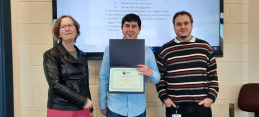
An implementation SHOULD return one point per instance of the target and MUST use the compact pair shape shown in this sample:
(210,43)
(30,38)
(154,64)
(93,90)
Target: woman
(66,71)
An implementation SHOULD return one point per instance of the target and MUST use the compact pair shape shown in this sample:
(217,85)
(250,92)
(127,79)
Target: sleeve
(52,74)
(104,79)
(212,78)
(162,85)
(155,78)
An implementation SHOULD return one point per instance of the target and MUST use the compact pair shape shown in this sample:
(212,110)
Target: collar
(63,50)
(67,56)
(178,41)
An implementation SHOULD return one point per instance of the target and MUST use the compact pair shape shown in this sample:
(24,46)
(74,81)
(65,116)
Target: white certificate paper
(125,80)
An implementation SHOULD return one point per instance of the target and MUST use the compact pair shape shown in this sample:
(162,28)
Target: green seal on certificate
(125,80)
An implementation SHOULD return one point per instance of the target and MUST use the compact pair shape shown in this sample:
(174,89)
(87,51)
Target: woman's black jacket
(68,79)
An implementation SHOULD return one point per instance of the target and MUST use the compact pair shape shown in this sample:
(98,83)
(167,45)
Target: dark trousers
(109,113)
(189,111)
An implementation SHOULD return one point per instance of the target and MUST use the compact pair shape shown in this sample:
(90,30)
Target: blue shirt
(125,104)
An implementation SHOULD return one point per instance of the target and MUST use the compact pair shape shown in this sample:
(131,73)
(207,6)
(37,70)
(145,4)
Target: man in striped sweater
(189,81)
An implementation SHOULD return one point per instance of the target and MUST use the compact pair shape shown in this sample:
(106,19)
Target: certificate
(125,80)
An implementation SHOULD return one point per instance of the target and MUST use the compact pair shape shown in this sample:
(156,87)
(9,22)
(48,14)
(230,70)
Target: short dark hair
(182,13)
(131,17)
(57,23)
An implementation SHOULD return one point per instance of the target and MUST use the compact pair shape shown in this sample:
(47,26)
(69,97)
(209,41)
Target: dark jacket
(67,77)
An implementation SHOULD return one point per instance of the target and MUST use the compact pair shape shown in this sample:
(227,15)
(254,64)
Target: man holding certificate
(126,103)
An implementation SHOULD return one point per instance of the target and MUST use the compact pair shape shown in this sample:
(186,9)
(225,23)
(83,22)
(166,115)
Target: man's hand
(91,115)
(168,103)
(145,69)
(103,111)
(206,102)
(89,104)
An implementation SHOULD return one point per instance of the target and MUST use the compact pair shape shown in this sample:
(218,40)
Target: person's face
(67,30)
(183,27)
(130,30)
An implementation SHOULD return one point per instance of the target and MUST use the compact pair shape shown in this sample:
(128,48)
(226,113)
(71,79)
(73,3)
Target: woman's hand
(89,104)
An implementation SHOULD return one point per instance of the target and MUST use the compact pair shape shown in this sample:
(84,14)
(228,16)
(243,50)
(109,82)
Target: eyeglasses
(65,26)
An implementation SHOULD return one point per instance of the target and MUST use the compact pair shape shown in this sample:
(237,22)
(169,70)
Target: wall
(233,67)
(253,43)
(31,30)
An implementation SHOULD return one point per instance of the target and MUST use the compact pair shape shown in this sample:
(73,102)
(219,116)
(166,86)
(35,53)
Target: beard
(183,37)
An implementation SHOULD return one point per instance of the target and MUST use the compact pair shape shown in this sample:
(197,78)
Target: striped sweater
(188,72)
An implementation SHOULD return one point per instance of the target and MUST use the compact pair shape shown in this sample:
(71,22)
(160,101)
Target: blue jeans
(109,113)
(189,111)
